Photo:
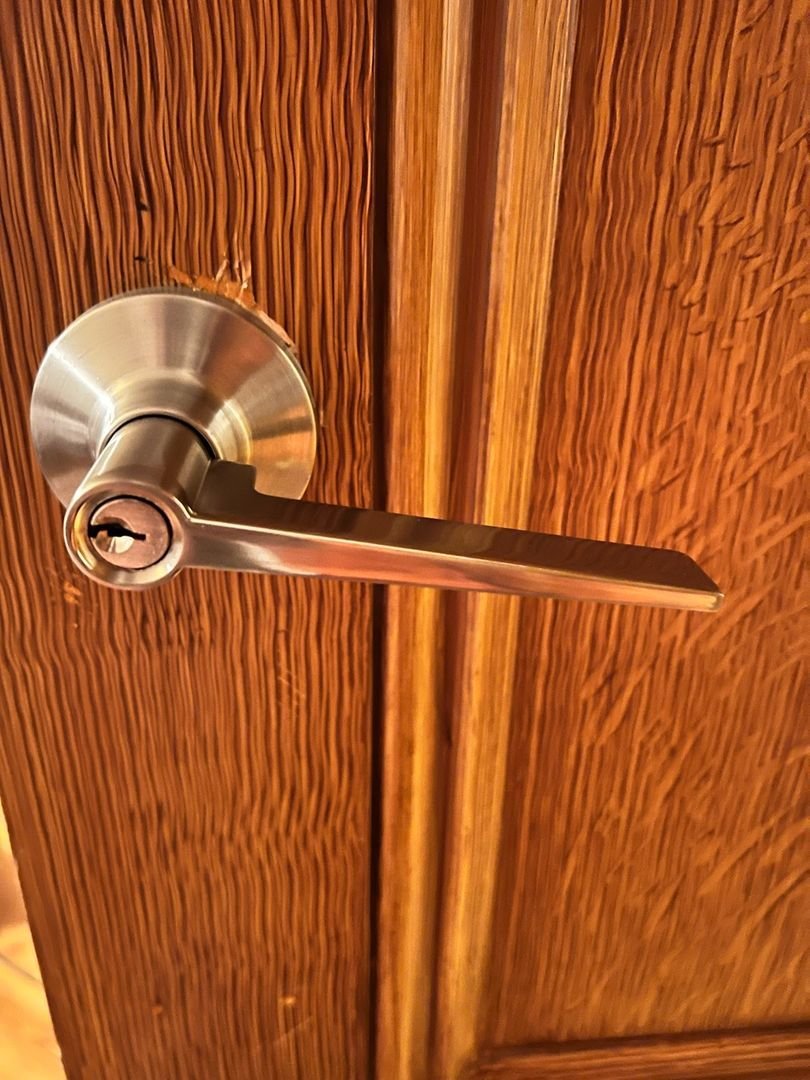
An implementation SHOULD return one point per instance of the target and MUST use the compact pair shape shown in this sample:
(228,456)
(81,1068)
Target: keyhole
(129,532)
(113,536)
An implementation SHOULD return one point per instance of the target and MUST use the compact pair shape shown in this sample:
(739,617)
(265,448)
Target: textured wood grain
(508,277)
(618,791)
(775,1055)
(459,159)
(186,772)
(428,146)
(653,852)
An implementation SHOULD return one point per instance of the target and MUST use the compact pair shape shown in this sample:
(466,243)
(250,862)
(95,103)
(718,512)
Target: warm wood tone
(510,280)
(186,772)
(428,145)
(611,796)
(458,294)
(652,853)
(596,323)
(776,1055)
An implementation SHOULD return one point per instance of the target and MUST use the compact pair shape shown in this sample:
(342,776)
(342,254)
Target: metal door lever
(155,492)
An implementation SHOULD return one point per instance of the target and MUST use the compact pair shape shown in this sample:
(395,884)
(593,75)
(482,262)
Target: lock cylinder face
(125,525)
(129,533)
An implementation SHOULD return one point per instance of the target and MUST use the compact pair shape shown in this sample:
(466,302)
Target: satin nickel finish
(219,521)
(158,492)
(174,352)
(157,460)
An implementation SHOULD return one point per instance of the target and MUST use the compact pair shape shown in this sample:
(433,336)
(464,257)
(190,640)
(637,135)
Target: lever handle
(157,414)
(216,519)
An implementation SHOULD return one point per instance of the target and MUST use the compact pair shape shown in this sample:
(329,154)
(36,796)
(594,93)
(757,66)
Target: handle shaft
(233,527)
(218,520)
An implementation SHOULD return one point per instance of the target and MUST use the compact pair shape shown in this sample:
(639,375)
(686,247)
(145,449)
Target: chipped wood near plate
(186,772)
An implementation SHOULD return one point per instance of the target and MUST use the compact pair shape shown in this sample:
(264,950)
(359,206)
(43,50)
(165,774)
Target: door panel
(186,771)
(779,1054)
(472,216)
(651,860)
(610,799)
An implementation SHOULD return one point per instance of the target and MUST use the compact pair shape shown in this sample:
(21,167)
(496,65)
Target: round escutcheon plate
(175,352)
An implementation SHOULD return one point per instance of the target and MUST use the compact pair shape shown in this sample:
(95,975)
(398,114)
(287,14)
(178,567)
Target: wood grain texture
(452,140)
(775,1055)
(517,148)
(186,772)
(446,157)
(621,813)
(653,854)
(429,116)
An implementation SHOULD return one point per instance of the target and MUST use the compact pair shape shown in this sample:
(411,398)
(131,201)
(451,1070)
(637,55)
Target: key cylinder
(129,533)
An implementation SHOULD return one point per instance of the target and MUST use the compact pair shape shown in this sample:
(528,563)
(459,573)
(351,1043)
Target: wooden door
(590,287)
(186,773)
(593,817)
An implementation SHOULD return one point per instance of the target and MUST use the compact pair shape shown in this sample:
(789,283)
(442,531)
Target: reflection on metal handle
(216,519)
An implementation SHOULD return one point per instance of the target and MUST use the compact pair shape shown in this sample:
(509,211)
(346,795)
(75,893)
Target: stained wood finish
(186,772)
(460,160)
(472,206)
(428,126)
(513,239)
(613,795)
(651,866)
(776,1055)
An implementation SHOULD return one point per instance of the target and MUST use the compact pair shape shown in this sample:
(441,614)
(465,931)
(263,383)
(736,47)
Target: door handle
(179,431)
